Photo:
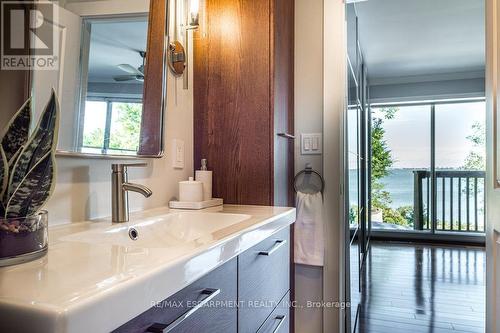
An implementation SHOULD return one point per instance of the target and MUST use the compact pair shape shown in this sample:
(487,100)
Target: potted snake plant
(27,180)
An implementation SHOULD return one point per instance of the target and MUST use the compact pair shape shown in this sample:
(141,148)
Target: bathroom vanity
(223,269)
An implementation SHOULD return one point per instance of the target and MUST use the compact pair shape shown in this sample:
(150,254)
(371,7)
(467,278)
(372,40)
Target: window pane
(125,126)
(460,136)
(94,124)
(460,166)
(401,152)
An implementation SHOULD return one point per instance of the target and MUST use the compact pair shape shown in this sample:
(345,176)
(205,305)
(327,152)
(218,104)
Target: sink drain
(133,233)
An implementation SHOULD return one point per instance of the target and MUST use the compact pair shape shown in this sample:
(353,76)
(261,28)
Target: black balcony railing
(459,201)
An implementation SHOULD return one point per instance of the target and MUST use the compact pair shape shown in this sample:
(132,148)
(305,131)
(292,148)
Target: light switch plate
(178,154)
(311,143)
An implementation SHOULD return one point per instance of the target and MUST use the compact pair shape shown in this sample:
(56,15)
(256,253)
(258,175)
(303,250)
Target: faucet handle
(122,167)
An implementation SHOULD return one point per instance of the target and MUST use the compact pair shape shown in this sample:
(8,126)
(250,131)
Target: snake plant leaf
(43,141)
(4,172)
(34,190)
(16,132)
(14,159)
(10,165)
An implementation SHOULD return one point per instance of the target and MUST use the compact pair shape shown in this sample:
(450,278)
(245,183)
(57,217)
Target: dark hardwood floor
(423,288)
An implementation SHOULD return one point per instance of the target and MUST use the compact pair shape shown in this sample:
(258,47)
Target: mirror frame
(154,93)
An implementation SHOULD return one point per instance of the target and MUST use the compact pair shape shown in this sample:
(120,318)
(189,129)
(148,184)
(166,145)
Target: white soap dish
(196,205)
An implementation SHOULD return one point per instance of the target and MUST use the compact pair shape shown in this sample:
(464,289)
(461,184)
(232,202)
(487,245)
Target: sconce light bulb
(194,10)
(195,7)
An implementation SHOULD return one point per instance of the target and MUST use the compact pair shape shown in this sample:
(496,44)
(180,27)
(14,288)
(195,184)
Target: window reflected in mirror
(112,125)
(111,106)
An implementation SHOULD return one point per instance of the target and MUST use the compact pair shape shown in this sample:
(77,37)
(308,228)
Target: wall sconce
(177,52)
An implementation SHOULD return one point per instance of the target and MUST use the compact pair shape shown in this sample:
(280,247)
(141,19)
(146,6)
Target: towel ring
(309,171)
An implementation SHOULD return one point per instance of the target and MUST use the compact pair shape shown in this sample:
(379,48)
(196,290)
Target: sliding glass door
(427,167)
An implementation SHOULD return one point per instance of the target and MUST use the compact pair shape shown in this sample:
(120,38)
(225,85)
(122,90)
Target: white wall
(308,77)
(320,87)
(308,119)
(83,187)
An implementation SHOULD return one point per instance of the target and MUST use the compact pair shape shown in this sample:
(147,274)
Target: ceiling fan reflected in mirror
(134,74)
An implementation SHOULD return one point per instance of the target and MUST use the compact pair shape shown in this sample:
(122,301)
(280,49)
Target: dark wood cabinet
(249,294)
(243,97)
(216,293)
(279,320)
(263,280)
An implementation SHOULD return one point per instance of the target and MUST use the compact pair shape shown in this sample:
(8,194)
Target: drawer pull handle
(208,294)
(277,245)
(281,318)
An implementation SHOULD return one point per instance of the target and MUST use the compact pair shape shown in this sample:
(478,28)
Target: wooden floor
(423,288)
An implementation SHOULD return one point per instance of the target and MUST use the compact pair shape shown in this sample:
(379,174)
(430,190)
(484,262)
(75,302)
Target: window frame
(109,117)
(434,233)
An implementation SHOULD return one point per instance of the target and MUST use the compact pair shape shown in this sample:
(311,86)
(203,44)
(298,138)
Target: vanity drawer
(263,280)
(216,293)
(279,320)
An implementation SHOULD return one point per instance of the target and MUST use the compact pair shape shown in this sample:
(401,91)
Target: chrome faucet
(119,191)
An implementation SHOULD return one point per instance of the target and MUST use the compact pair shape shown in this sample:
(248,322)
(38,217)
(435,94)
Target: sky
(408,134)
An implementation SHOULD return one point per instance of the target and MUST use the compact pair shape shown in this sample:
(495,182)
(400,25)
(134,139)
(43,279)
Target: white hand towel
(309,241)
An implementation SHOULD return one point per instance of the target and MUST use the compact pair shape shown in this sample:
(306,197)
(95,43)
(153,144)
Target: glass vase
(23,239)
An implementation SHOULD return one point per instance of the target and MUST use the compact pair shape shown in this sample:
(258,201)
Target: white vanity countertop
(96,286)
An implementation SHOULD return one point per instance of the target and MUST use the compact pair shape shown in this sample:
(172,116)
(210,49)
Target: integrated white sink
(169,230)
(95,277)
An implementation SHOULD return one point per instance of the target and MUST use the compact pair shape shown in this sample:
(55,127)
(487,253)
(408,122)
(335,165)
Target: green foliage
(401,216)
(475,160)
(94,138)
(381,159)
(125,129)
(353,215)
(380,198)
(381,155)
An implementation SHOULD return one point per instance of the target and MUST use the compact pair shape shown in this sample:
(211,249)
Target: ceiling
(113,43)
(405,38)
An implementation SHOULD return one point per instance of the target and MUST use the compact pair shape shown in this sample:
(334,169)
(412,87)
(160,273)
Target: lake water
(399,184)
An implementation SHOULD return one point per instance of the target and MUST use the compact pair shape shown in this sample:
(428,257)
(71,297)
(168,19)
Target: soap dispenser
(205,176)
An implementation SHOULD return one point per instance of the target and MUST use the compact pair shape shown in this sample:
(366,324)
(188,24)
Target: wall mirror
(111,78)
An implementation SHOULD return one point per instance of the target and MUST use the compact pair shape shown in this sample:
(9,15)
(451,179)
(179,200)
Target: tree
(475,160)
(94,139)
(382,159)
(126,129)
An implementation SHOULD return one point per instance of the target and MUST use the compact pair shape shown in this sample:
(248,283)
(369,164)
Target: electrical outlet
(178,154)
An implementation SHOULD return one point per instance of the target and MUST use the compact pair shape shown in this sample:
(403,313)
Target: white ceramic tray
(196,205)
